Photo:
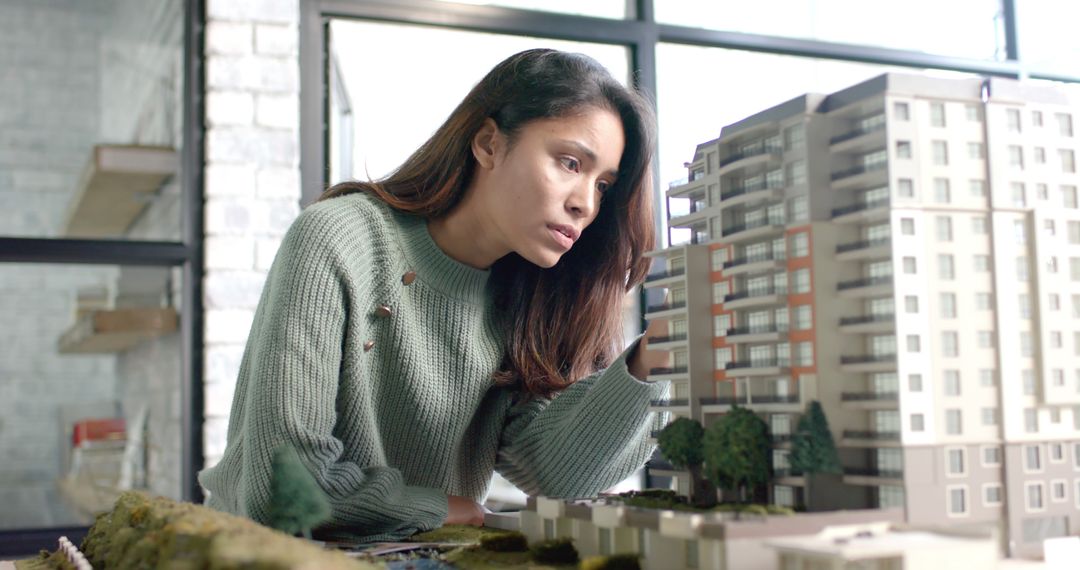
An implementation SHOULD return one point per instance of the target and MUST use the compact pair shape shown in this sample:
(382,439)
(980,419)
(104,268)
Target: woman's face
(546,189)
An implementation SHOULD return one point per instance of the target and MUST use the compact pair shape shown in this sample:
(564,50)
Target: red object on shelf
(98,429)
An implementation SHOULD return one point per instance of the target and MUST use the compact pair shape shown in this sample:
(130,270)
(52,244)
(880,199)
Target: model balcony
(861,213)
(755,298)
(748,193)
(670,403)
(686,186)
(666,277)
(757,155)
(667,341)
(859,140)
(753,264)
(864,249)
(868,363)
(776,402)
(860,176)
(767,401)
(866,287)
(734,233)
(788,473)
(664,309)
(720,404)
(697,213)
(870,438)
(761,333)
(667,373)
(869,400)
(872,476)
(868,324)
(758,367)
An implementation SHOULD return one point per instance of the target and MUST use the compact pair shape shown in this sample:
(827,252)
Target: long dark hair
(564,322)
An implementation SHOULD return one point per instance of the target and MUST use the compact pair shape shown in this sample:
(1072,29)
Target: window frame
(639,32)
(187,253)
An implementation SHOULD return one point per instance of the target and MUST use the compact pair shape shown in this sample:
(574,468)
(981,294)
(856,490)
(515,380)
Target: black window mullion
(833,51)
(494,19)
(44,250)
(1008,15)
(191,310)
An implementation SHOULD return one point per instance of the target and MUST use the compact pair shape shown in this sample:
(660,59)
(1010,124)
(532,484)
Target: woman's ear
(485,143)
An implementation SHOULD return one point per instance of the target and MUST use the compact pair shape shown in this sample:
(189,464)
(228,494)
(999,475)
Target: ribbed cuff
(430,505)
(620,368)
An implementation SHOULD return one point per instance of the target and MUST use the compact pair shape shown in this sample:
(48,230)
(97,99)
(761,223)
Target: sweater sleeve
(585,440)
(289,386)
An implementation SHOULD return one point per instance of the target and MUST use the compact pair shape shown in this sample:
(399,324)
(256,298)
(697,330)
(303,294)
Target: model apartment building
(907,252)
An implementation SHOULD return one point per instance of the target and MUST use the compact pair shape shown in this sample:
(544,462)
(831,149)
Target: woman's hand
(644,359)
(464,511)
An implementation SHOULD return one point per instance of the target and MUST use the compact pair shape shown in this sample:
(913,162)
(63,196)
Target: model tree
(813,450)
(737,451)
(297,503)
(681,444)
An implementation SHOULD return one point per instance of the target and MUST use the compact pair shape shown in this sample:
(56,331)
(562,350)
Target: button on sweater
(385,388)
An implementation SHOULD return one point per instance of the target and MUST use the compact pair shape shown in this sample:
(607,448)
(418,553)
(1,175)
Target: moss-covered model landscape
(144,532)
(141,532)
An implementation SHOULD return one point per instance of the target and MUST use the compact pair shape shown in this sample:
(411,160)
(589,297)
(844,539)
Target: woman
(414,332)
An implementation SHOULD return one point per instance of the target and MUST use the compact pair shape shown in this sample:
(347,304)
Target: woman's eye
(570,163)
(602,186)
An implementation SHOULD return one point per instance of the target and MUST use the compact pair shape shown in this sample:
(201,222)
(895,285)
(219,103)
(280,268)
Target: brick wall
(252,178)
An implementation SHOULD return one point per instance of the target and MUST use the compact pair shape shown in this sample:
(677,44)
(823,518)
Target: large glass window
(1048,42)
(723,98)
(90,382)
(93,360)
(964,28)
(388,124)
(91,119)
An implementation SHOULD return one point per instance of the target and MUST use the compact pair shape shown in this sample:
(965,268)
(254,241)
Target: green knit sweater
(385,387)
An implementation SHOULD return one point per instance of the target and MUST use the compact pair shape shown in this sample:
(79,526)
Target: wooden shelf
(116,186)
(116,330)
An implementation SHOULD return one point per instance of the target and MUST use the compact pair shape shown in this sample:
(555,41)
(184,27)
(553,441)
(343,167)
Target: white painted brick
(222,362)
(229,108)
(257,73)
(278,183)
(229,252)
(229,38)
(233,289)
(218,399)
(280,111)
(265,251)
(228,325)
(262,146)
(234,180)
(280,214)
(276,39)
(225,216)
(285,11)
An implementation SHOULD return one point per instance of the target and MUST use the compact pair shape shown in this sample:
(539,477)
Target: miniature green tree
(737,451)
(297,504)
(681,444)
(813,450)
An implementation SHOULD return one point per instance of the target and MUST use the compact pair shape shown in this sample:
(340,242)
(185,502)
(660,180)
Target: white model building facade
(907,252)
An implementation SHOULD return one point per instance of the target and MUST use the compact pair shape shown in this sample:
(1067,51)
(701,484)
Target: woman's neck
(466,236)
